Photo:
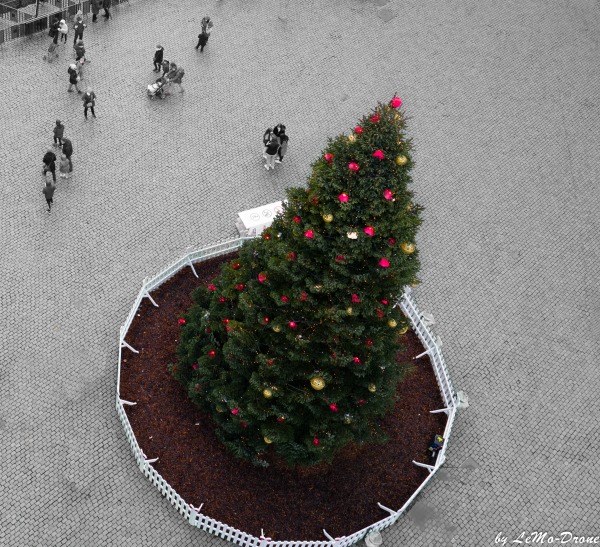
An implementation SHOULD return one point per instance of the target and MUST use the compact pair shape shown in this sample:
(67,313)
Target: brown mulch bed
(288,505)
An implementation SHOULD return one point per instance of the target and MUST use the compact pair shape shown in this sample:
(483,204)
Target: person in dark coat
(49,160)
(89,101)
(158,58)
(178,77)
(59,131)
(79,50)
(106,6)
(78,27)
(68,151)
(283,144)
(206,29)
(54,29)
(73,77)
(95,9)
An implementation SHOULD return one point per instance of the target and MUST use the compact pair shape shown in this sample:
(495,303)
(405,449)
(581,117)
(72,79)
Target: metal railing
(193,514)
(22,21)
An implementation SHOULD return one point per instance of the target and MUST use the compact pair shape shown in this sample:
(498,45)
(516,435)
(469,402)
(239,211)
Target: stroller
(158,88)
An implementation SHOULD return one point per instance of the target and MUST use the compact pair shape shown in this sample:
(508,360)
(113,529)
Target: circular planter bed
(281,503)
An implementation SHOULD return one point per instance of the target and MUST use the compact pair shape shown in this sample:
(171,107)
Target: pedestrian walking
(59,130)
(106,6)
(79,50)
(165,67)
(63,29)
(73,77)
(54,30)
(158,58)
(206,29)
(78,27)
(89,101)
(271,150)
(179,74)
(52,53)
(95,9)
(283,139)
(49,160)
(63,167)
(67,149)
(48,192)
(80,64)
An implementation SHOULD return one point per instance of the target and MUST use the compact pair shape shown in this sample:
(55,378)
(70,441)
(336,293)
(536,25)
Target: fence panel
(225,531)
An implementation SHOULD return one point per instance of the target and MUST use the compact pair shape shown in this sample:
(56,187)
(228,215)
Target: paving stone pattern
(503,100)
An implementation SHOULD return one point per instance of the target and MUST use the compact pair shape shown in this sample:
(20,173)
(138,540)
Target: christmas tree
(292,347)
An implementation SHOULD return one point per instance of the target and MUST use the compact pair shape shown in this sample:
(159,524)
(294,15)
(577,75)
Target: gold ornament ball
(403,331)
(267,440)
(392,323)
(327,217)
(352,137)
(347,419)
(267,393)
(276,328)
(349,311)
(396,117)
(220,408)
(317,383)
(408,248)
(372,388)
(318,287)
(401,160)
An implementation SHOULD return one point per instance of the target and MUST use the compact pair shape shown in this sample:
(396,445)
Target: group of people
(49,160)
(171,74)
(276,143)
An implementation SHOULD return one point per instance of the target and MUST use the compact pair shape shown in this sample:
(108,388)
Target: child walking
(59,131)
(64,167)
(48,192)
(158,58)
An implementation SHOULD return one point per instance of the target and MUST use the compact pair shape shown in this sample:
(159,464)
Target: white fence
(194,514)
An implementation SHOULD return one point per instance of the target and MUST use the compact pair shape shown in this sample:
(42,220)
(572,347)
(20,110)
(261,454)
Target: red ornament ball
(329,158)
(316,442)
(340,258)
(285,299)
(333,407)
(211,288)
(291,257)
(212,353)
(240,287)
(222,299)
(391,241)
(181,321)
(343,197)
(303,297)
(355,299)
(297,219)
(236,265)
(358,129)
(375,118)
(353,166)
(309,234)
(262,277)
(387,194)
(195,366)
(369,230)
(384,263)
(357,360)
(235,411)
(396,102)
(292,325)
(378,154)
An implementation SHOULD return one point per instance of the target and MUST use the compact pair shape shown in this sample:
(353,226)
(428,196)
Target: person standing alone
(89,101)
(106,6)
(68,151)
(206,29)
(79,27)
(73,77)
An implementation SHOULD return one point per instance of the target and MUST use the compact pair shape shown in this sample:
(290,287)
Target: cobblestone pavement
(503,99)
